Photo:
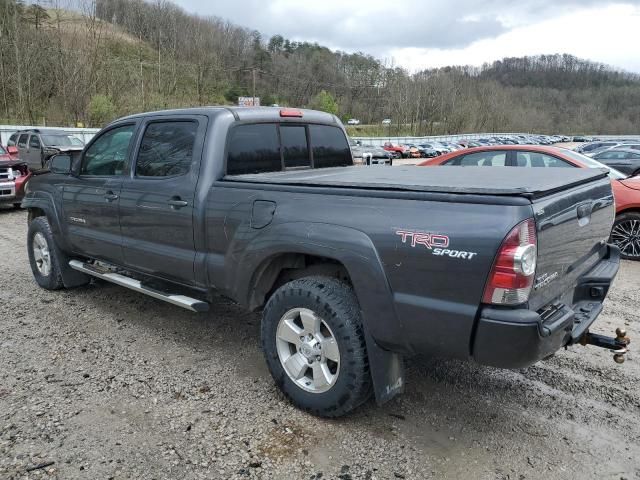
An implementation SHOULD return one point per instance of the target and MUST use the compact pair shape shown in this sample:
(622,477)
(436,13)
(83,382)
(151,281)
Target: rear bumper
(516,338)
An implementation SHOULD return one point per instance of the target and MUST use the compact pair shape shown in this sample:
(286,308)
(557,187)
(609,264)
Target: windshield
(61,140)
(591,163)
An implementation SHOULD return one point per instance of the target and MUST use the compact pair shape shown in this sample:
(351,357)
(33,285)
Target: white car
(386,121)
(353,121)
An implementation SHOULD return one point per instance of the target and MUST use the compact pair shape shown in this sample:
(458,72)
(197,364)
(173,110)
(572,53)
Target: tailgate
(573,228)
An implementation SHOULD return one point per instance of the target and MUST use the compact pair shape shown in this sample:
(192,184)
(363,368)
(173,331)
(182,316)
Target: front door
(157,198)
(91,198)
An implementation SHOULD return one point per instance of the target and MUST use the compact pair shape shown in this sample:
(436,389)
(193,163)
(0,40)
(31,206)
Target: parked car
(36,146)
(386,121)
(399,151)
(626,190)
(592,146)
(353,268)
(370,154)
(353,121)
(427,151)
(13,176)
(627,160)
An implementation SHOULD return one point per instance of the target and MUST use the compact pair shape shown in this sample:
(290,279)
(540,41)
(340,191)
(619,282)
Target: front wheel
(625,234)
(314,345)
(44,256)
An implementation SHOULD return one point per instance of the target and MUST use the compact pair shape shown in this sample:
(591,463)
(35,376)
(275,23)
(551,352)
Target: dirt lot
(108,383)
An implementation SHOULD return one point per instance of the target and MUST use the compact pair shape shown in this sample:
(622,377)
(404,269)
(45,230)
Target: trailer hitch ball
(618,345)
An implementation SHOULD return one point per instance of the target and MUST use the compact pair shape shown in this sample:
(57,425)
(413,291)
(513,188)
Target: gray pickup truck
(354,269)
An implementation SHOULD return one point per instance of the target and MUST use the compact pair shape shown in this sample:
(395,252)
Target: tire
(44,256)
(17,206)
(343,385)
(626,235)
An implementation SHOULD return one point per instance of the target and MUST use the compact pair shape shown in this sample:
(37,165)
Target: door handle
(177,203)
(110,196)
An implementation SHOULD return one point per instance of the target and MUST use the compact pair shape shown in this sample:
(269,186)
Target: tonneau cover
(528,182)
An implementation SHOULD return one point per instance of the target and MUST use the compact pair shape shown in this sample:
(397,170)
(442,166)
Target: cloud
(403,28)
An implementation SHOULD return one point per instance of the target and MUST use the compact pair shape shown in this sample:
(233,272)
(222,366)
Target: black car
(627,160)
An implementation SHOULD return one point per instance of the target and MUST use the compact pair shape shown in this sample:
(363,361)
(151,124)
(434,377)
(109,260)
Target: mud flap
(387,371)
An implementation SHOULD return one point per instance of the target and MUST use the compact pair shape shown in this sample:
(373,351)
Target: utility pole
(253,100)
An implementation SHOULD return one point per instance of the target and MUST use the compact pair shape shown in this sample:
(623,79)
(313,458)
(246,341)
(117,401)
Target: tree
(101,110)
(325,102)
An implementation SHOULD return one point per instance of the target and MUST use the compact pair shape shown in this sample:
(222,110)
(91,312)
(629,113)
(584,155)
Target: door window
(12,140)
(22,141)
(166,149)
(481,159)
(329,146)
(294,146)
(34,142)
(107,155)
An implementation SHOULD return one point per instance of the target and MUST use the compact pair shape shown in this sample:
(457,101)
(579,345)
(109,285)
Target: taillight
(514,268)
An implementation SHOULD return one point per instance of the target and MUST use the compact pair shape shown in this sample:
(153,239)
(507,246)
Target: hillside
(128,55)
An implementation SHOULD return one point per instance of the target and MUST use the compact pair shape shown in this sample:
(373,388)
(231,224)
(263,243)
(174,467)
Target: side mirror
(13,150)
(60,163)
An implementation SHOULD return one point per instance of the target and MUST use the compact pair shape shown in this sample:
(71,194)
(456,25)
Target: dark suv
(36,146)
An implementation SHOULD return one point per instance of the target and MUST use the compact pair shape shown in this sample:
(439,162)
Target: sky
(419,34)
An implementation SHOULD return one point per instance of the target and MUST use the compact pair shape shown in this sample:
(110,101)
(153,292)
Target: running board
(137,286)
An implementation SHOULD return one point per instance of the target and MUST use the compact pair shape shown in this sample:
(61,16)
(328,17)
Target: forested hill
(113,57)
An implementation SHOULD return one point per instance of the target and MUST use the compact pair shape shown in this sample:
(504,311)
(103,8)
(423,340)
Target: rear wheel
(17,205)
(626,235)
(314,345)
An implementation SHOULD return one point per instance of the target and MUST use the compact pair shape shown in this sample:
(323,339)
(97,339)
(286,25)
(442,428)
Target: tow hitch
(618,345)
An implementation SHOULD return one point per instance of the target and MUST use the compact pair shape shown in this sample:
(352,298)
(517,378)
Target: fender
(45,202)
(357,253)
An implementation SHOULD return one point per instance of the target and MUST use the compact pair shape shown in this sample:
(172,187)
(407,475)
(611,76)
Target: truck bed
(512,181)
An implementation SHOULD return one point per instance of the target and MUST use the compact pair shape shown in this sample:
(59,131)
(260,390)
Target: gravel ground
(101,383)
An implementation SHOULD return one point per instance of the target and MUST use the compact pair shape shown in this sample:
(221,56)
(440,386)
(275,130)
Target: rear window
(257,148)
(330,148)
(295,150)
(253,149)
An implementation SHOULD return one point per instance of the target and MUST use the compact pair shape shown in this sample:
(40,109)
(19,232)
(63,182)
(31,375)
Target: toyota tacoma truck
(354,269)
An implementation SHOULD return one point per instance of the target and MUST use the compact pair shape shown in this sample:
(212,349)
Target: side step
(135,285)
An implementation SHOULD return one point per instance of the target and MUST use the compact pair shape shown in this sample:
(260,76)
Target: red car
(13,177)
(398,150)
(626,190)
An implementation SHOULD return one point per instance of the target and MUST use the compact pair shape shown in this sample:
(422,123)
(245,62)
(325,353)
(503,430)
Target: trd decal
(436,243)
(428,240)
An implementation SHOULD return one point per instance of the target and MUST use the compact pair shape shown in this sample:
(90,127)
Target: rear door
(157,198)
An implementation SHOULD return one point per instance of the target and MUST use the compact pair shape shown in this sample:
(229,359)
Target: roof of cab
(257,114)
